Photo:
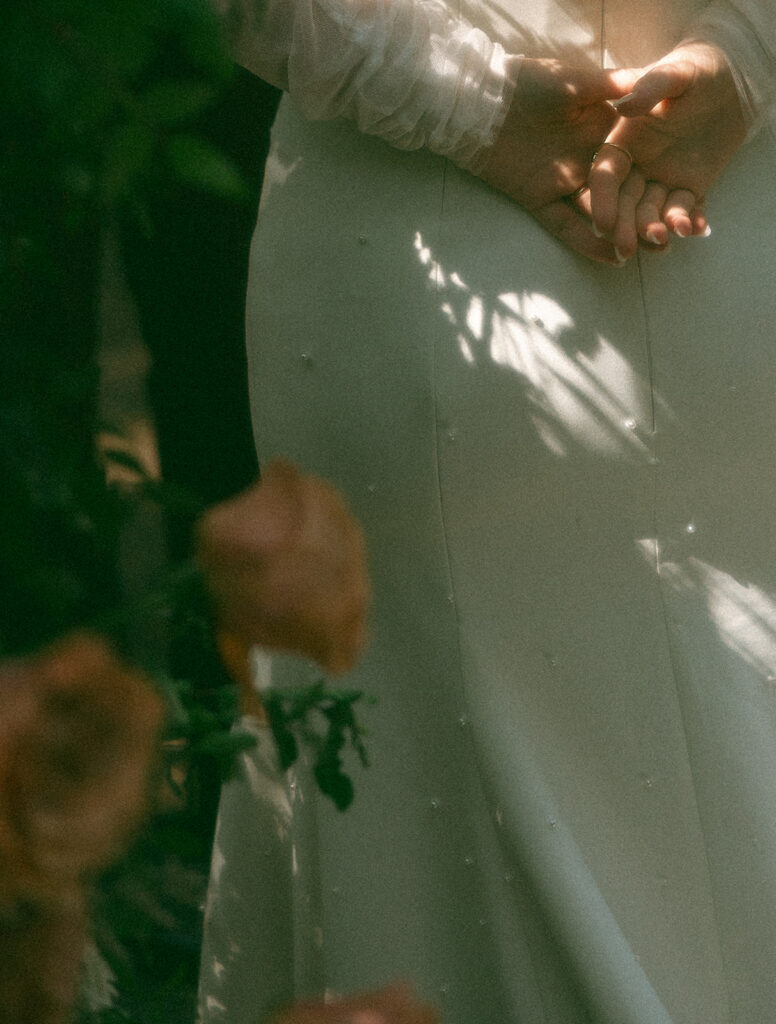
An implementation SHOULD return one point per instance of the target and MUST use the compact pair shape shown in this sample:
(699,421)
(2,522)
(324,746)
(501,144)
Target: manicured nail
(706,231)
(596,232)
(682,231)
(620,258)
(623,99)
(652,237)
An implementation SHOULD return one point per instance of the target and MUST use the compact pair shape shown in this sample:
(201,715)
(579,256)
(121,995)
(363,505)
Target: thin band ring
(578,191)
(613,145)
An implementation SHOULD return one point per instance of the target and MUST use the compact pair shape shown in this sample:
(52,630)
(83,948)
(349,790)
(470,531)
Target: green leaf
(123,37)
(127,156)
(196,162)
(290,711)
(288,751)
(201,36)
(174,101)
(225,746)
(77,178)
(172,497)
(333,783)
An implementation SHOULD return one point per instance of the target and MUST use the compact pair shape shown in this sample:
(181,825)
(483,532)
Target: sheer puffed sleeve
(746,32)
(405,70)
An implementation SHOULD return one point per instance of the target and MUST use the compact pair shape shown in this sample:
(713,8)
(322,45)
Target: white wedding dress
(567,477)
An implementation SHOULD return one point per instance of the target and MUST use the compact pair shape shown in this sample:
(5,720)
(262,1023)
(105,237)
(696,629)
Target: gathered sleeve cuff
(745,31)
(404,70)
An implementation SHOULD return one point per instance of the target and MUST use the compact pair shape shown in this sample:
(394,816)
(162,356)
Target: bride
(473,306)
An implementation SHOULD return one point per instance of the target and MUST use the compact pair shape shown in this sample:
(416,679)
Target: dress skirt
(566,473)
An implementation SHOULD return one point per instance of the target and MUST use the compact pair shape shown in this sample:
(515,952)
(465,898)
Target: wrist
(481,119)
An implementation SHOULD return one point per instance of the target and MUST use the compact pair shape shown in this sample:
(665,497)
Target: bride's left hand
(558,115)
(681,123)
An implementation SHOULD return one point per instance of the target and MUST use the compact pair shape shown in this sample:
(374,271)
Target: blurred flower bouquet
(97,118)
(281,566)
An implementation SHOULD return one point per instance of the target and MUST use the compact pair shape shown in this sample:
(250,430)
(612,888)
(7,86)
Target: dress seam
(438,477)
(670,645)
(445,539)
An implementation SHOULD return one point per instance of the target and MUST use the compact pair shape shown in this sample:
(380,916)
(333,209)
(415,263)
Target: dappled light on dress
(595,399)
(742,615)
(259,877)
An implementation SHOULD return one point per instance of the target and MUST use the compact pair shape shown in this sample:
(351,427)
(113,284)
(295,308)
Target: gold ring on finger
(613,145)
(578,191)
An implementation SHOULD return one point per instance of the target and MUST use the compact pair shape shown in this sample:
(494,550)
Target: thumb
(663,81)
(593,85)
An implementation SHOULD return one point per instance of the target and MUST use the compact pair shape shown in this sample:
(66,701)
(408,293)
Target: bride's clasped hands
(558,116)
(678,128)
(610,160)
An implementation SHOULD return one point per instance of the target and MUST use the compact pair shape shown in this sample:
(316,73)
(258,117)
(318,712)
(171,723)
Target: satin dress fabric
(566,473)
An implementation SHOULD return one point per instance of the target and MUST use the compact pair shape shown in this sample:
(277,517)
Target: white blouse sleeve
(745,30)
(405,70)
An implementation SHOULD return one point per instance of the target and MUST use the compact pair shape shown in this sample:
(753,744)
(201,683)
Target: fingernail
(652,237)
(620,258)
(706,231)
(597,233)
(622,99)
(682,231)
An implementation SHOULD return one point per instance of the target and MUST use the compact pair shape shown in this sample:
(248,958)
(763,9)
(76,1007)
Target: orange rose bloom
(78,734)
(285,562)
(393,1005)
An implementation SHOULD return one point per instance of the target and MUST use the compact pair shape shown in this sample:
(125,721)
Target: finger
(608,171)
(625,237)
(591,85)
(625,79)
(677,212)
(649,214)
(563,221)
(664,81)
(700,225)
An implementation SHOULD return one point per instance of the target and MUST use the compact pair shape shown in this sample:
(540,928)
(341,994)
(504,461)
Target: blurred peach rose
(285,562)
(392,1005)
(78,733)
(41,958)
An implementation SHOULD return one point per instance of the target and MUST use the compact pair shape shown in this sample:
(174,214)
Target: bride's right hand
(681,123)
(558,117)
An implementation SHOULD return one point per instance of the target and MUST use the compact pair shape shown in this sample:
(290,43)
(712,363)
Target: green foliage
(93,98)
(96,100)
(295,714)
(98,106)
(101,110)
(147,907)
(198,163)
